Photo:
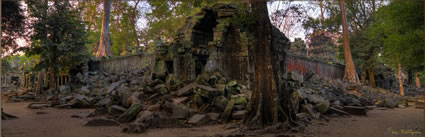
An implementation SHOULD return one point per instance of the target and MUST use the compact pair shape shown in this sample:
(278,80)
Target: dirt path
(377,123)
(58,123)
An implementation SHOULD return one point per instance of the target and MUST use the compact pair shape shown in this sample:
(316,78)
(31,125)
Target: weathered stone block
(199,119)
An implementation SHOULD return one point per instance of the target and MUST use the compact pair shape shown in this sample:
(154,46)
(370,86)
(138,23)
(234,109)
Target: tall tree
(322,17)
(350,73)
(270,101)
(399,26)
(104,48)
(39,86)
(133,20)
(63,48)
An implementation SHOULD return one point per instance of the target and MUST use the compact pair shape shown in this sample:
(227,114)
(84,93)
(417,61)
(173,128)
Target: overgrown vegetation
(58,37)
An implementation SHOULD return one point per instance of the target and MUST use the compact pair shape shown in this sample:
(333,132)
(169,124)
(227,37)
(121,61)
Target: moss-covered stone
(131,113)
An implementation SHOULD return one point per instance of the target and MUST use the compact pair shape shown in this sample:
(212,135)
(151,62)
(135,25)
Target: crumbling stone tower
(209,42)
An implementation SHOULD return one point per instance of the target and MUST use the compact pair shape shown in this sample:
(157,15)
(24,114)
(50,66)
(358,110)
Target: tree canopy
(58,37)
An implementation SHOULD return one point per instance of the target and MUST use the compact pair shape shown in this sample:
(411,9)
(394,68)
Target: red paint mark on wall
(302,65)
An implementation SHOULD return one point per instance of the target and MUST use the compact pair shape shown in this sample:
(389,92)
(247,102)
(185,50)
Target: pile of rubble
(133,99)
(137,103)
(314,97)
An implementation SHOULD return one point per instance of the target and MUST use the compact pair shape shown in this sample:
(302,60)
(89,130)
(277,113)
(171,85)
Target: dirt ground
(403,122)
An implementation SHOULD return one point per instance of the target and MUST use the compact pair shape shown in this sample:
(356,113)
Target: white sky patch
(313,11)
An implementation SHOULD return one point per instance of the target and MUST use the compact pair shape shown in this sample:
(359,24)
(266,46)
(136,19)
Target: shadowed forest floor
(58,123)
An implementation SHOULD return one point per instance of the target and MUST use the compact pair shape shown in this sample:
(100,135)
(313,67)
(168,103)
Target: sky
(299,30)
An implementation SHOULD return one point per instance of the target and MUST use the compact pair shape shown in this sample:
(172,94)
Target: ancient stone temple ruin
(207,42)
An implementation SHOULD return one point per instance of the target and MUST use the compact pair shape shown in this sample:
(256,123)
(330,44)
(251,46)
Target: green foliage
(122,35)
(12,25)
(18,63)
(243,18)
(166,17)
(58,37)
(399,27)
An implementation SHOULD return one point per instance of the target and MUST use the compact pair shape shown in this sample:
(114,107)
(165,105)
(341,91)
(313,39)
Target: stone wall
(125,64)
(208,42)
(322,69)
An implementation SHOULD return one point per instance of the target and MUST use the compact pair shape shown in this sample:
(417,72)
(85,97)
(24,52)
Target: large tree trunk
(322,17)
(418,82)
(264,109)
(371,77)
(410,77)
(52,80)
(400,80)
(133,23)
(104,48)
(350,74)
(270,102)
(363,77)
(39,86)
(39,82)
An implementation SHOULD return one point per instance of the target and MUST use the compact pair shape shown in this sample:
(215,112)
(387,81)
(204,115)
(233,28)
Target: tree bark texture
(270,102)
(371,77)
(133,23)
(418,82)
(39,86)
(264,91)
(363,76)
(104,48)
(400,80)
(322,19)
(350,74)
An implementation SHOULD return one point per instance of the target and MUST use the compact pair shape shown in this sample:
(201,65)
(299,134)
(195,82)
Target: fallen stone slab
(155,107)
(156,120)
(79,103)
(156,82)
(38,105)
(115,109)
(239,114)
(114,85)
(101,121)
(213,116)
(178,111)
(199,119)
(206,88)
(40,112)
(134,128)
(390,102)
(148,90)
(322,107)
(6,116)
(159,86)
(381,108)
(370,107)
(180,100)
(355,110)
(104,102)
(227,111)
(82,115)
(162,91)
(337,111)
(185,90)
(131,113)
(411,102)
